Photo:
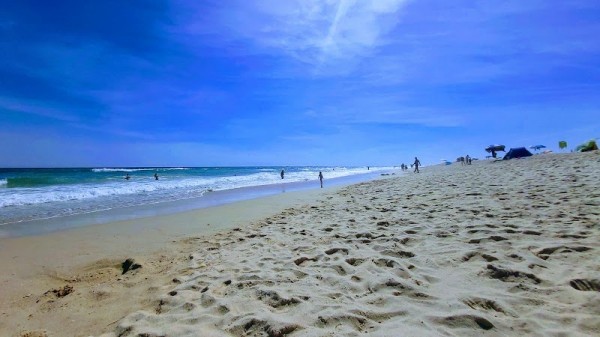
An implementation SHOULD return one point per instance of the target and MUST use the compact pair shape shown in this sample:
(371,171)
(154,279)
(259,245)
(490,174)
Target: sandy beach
(504,248)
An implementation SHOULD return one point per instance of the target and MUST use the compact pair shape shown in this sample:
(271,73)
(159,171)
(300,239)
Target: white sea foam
(109,169)
(167,188)
(3,182)
(32,196)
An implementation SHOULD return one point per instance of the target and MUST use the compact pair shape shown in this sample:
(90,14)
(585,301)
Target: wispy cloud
(295,80)
(36,109)
(328,35)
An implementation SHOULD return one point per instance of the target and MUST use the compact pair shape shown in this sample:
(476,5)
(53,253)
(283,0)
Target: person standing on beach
(321,178)
(416,164)
(282,173)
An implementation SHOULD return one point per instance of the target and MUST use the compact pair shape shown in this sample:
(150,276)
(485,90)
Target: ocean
(43,193)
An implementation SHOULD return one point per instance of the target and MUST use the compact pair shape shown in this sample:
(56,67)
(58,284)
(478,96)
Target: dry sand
(35,269)
(491,249)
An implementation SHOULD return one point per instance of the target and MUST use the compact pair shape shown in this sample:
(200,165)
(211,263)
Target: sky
(292,82)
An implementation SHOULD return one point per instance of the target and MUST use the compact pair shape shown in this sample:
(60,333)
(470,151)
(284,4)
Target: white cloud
(326,34)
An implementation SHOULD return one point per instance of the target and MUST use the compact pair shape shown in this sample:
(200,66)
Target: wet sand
(491,249)
(89,259)
(133,212)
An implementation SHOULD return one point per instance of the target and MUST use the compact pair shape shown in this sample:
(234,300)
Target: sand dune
(494,249)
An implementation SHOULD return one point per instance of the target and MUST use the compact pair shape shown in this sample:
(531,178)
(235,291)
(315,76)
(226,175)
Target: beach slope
(497,248)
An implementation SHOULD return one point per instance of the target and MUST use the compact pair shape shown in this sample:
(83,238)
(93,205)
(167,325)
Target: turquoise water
(31,194)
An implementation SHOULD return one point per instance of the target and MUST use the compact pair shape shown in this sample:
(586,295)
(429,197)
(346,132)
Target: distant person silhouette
(416,164)
(155,176)
(321,178)
(127,177)
(282,173)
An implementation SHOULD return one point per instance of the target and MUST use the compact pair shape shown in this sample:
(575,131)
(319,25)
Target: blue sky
(298,82)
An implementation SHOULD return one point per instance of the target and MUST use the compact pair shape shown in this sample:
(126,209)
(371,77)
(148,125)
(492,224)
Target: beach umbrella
(537,147)
(495,148)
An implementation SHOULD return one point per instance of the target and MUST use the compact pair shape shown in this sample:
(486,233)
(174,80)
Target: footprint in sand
(465,321)
(385,263)
(354,321)
(258,327)
(507,275)
(354,261)
(470,255)
(571,236)
(303,259)
(339,269)
(545,253)
(529,232)
(491,238)
(485,304)
(585,285)
(398,253)
(335,250)
(273,299)
(515,257)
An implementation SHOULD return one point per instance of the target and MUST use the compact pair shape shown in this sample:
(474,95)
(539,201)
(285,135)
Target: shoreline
(91,256)
(494,248)
(210,199)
